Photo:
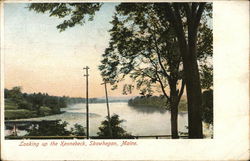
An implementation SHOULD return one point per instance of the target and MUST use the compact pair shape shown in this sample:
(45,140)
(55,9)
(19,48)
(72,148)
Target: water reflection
(148,109)
(138,120)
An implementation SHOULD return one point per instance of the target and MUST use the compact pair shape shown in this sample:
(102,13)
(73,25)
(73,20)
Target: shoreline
(61,112)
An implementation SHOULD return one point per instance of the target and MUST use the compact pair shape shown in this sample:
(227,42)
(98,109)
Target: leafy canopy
(72,13)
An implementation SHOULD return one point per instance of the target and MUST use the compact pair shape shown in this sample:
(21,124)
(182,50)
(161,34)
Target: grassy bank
(19,114)
(9,105)
(12,111)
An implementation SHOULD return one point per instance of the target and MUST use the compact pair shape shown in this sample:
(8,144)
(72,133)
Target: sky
(39,58)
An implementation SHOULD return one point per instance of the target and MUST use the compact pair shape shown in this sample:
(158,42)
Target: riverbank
(12,111)
(24,114)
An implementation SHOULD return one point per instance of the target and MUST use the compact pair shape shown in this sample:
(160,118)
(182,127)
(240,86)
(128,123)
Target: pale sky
(41,59)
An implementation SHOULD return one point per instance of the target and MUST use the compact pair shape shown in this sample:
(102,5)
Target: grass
(12,111)
(18,114)
(45,111)
(9,105)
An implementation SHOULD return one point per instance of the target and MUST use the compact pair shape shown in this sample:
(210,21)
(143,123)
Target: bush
(45,128)
(117,131)
(78,130)
(44,111)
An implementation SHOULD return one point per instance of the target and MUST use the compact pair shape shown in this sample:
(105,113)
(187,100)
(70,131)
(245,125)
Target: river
(137,120)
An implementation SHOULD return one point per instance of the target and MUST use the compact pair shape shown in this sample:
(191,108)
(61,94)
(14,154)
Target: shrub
(117,131)
(44,111)
(78,130)
(45,128)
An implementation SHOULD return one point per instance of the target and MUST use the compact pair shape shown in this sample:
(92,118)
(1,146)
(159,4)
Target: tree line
(75,100)
(19,104)
(31,105)
(153,101)
(162,102)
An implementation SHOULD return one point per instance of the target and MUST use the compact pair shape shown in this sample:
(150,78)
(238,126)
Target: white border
(2,73)
(231,110)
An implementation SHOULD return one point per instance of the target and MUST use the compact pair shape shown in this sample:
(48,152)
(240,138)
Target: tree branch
(162,87)
(182,89)
(194,8)
(199,13)
(179,30)
(158,79)
(187,9)
(158,54)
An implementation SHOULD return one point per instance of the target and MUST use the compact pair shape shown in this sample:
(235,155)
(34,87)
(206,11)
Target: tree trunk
(193,85)
(188,54)
(191,72)
(174,121)
(193,89)
(174,102)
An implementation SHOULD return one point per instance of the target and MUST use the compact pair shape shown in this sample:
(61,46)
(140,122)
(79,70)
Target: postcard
(124,80)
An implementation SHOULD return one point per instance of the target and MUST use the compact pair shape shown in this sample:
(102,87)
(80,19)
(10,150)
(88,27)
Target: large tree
(173,12)
(144,48)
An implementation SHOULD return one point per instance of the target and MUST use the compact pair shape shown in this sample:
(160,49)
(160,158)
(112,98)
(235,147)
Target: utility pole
(87,100)
(107,101)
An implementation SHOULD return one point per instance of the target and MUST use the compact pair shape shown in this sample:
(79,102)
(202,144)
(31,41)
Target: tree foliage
(207,106)
(55,128)
(14,94)
(117,131)
(206,76)
(49,129)
(72,13)
(142,47)
(37,104)
(78,130)
(145,47)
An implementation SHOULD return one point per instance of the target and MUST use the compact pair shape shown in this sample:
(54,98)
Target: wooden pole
(87,101)
(107,102)
(15,131)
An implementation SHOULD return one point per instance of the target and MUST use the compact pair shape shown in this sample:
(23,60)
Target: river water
(137,120)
